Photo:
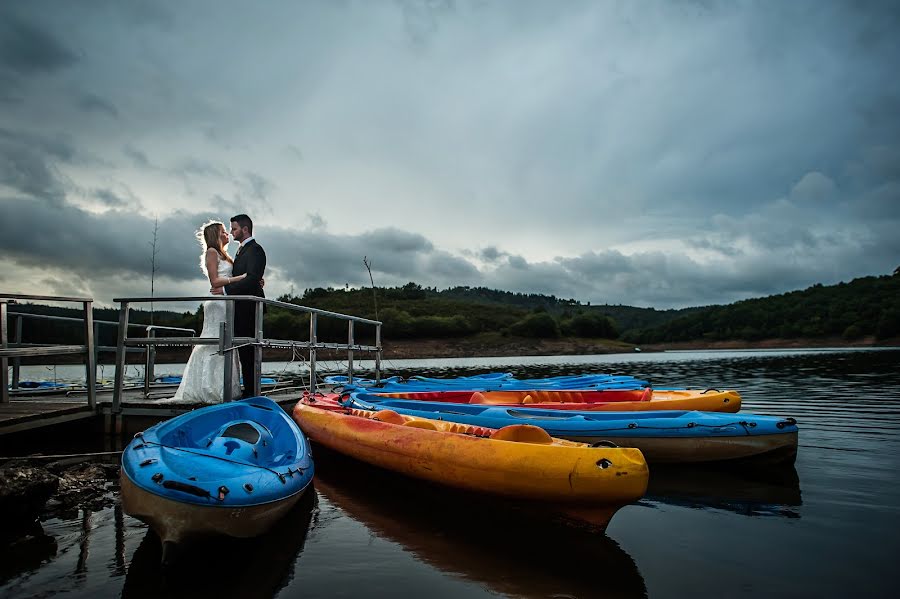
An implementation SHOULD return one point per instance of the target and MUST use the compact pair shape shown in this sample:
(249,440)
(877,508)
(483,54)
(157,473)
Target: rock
(23,492)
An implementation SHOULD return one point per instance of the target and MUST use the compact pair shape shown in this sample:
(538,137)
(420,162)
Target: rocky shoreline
(35,488)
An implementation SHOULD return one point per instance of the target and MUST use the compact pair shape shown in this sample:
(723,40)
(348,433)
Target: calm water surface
(827,527)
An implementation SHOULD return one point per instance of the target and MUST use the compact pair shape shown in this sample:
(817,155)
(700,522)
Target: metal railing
(16,319)
(18,351)
(227,342)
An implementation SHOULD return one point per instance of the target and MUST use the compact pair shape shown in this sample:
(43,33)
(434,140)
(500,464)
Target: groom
(250,259)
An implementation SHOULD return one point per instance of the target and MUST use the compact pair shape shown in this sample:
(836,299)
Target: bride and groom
(204,376)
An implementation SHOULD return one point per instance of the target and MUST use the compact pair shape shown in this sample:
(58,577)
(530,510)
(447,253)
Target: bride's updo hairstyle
(210,236)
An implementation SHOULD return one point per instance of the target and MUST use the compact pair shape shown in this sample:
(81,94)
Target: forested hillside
(864,307)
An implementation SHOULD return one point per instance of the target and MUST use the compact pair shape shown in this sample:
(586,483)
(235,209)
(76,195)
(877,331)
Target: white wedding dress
(204,375)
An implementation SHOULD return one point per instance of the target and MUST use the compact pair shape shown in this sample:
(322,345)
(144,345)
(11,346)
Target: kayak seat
(523,433)
(243,440)
(424,424)
(389,416)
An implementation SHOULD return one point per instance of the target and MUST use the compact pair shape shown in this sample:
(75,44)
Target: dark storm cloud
(26,48)
(27,164)
(664,154)
(96,244)
(490,254)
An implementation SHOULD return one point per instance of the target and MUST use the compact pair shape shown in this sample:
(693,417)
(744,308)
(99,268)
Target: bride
(204,375)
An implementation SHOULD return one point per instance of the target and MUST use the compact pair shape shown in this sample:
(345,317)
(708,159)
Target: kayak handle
(186,488)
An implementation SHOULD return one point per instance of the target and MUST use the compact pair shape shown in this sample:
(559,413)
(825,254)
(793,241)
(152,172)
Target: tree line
(868,306)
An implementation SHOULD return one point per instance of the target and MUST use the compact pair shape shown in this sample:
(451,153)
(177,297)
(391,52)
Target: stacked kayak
(519,461)
(662,436)
(493,382)
(230,469)
(620,400)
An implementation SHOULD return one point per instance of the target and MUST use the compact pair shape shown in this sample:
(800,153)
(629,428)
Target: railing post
(90,371)
(313,340)
(96,344)
(350,351)
(150,363)
(257,348)
(226,343)
(120,359)
(17,362)
(377,353)
(4,362)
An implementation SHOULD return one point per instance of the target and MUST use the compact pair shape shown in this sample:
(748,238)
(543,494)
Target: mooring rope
(59,456)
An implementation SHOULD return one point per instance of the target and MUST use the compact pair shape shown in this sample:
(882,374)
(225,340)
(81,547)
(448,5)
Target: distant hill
(868,306)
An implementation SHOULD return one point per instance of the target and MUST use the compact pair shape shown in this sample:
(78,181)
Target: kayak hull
(479,459)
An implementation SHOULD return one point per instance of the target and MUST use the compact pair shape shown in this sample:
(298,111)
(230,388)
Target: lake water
(827,527)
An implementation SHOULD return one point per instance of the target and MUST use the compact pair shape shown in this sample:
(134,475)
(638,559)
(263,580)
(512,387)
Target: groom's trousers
(244,320)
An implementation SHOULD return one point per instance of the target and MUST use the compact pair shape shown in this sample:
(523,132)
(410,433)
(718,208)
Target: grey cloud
(26,48)
(93,103)
(195,166)
(113,243)
(257,187)
(27,170)
(490,254)
(599,150)
(397,240)
(137,157)
(112,199)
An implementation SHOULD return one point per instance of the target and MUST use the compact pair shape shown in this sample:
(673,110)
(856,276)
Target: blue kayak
(176,380)
(231,469)
(663,436)
(42,385)
(494,382)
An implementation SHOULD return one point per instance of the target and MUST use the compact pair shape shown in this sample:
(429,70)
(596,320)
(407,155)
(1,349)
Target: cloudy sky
(661,154)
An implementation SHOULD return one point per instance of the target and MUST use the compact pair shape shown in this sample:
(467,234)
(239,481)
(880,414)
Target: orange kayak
(519,461)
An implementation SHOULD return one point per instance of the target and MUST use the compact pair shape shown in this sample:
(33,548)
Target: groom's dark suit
(250,259)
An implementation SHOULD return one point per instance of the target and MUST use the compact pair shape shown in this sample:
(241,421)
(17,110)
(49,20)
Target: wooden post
(149,364)
(17,362)
(226,344)
(4,361)
(377,353)
(313,340)
(90,371)
(257,348)
(118,389)
(350,352)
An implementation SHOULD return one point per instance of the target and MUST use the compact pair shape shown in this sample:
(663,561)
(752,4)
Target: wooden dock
(27,412)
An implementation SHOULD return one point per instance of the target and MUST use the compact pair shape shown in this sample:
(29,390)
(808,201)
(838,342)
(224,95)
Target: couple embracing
(204,376)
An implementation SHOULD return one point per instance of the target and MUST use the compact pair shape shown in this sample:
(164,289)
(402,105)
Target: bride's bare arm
(212,270)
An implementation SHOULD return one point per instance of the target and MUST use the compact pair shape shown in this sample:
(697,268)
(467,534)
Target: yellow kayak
(520,461)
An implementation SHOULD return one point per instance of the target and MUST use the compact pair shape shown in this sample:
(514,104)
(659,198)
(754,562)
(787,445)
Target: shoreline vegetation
(489,346)
(464,322)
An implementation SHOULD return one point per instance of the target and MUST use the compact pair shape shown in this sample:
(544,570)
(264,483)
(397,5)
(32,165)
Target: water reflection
(224,567)
(748,491)
(512,552)
(24,551)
